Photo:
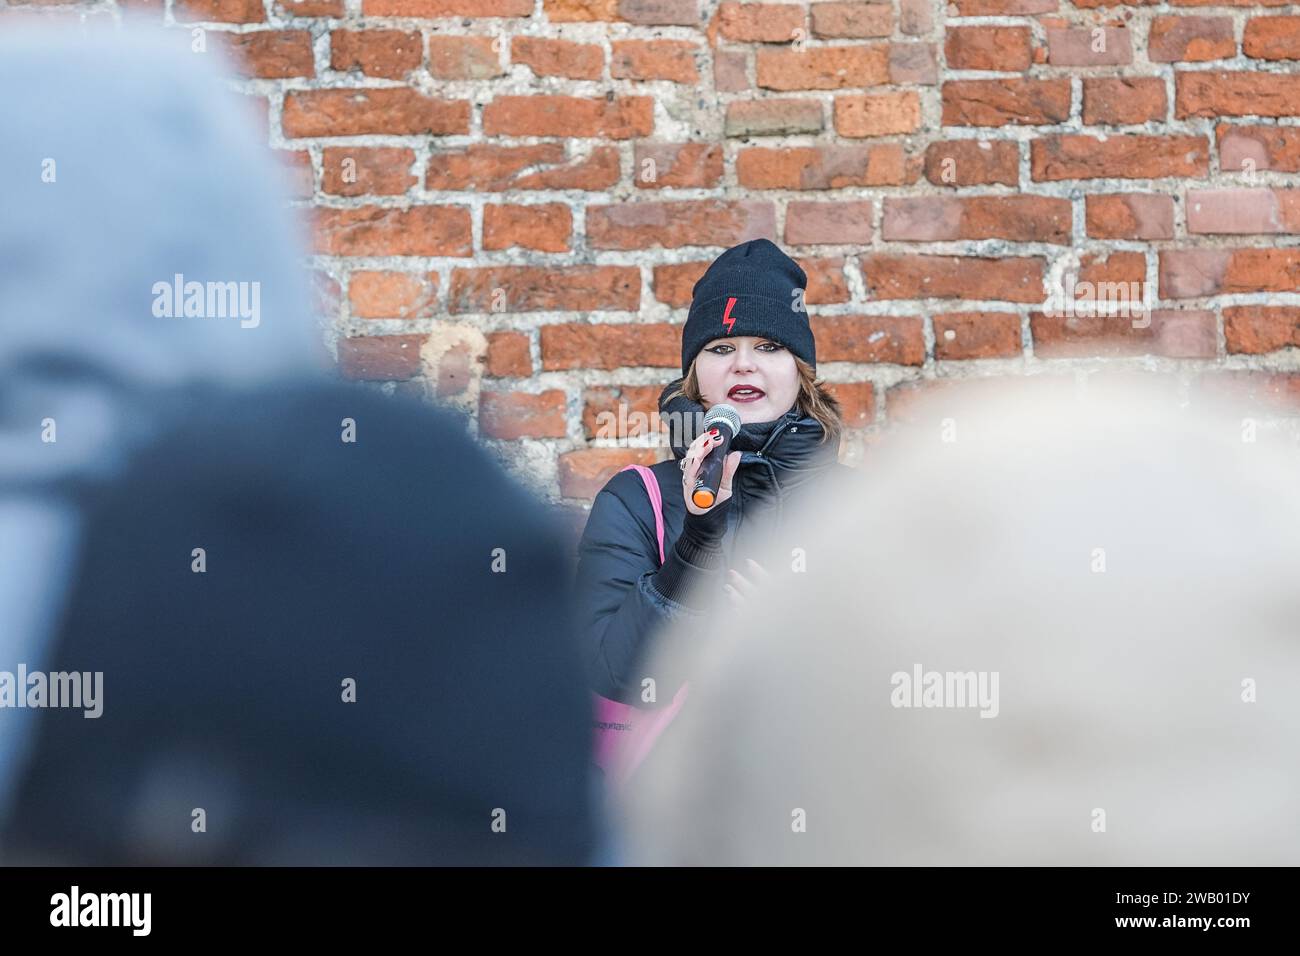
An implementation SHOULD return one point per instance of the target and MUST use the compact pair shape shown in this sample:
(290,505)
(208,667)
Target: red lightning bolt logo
(727,318)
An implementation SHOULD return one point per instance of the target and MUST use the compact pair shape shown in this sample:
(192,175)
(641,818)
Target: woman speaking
(641,564)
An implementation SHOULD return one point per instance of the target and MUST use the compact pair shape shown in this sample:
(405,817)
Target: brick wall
(513,198)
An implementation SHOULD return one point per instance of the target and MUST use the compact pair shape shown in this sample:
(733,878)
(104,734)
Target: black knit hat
(750,290)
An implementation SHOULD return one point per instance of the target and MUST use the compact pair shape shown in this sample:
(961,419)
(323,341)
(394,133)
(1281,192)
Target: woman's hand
(739,588)
(691,468)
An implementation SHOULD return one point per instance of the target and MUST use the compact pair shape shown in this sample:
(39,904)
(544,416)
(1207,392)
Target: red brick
(1272,38)
(1005,49)
(584,472)
(1088,46)
(826,282)
(760,22)
(729,70)
(1127,269)
(625,344)
(824,67)
(397,112)
(580,288)
(1003,8)
(512,415)
(896,339)
(380,358)
(1208,93)
(1126,156)
(673,282)
(976,335)
(1243,211)
(1014,218)
(387,231)
(857,402)
(447,8)
(482,167)
(953,277)
(548,57)
(385,53)
(1124,100)
(966,162)
(1129,216)
(1190,39)
(672,60)
(621,411)
(1021,101)
(913,63)
(373,170)
(393,295)
(852,20)
(454,371)
(545,227)
(623,117)
(1256,329)
(1229,3)
(773,117)
(680,13)
(1191,273)
(823,167)
(1124,271)
(271,54)
(1173,334)
(309,8)
(464,58)
(677,165)
(915,18)
(219,11)
(878,114)
(570,11)
(830,223)
(509,355)
(688,222)
(1259,148)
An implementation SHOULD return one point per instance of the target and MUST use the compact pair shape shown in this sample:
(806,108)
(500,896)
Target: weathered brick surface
(527,193)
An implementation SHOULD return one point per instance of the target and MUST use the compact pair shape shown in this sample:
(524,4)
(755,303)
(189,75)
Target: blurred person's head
(145,245)
(134,186)
(329,629)
(313,651)
(1040,630)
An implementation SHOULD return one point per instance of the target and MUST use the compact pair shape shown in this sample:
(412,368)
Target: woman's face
(727,365)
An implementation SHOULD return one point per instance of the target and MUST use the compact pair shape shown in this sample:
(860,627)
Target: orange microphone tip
(703,498)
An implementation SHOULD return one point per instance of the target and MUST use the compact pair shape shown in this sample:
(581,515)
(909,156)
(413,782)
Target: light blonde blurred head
(1126,565)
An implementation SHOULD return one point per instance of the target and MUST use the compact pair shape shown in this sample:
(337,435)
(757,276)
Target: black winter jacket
(624,600)
(226,685)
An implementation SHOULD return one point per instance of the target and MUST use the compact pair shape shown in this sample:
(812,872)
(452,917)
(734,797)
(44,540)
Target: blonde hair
(813,399)
(1002,525)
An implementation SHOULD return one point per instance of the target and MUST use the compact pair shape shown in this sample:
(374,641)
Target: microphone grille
(722,414)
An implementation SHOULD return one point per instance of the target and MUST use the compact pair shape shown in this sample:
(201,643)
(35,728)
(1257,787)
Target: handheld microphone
(726,420)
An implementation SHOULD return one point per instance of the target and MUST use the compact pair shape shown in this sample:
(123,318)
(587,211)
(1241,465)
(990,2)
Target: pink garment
(624,734)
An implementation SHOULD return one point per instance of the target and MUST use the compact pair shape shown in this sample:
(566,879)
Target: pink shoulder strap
(656,501)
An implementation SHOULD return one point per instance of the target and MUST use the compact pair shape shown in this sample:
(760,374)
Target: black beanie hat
(750,290)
